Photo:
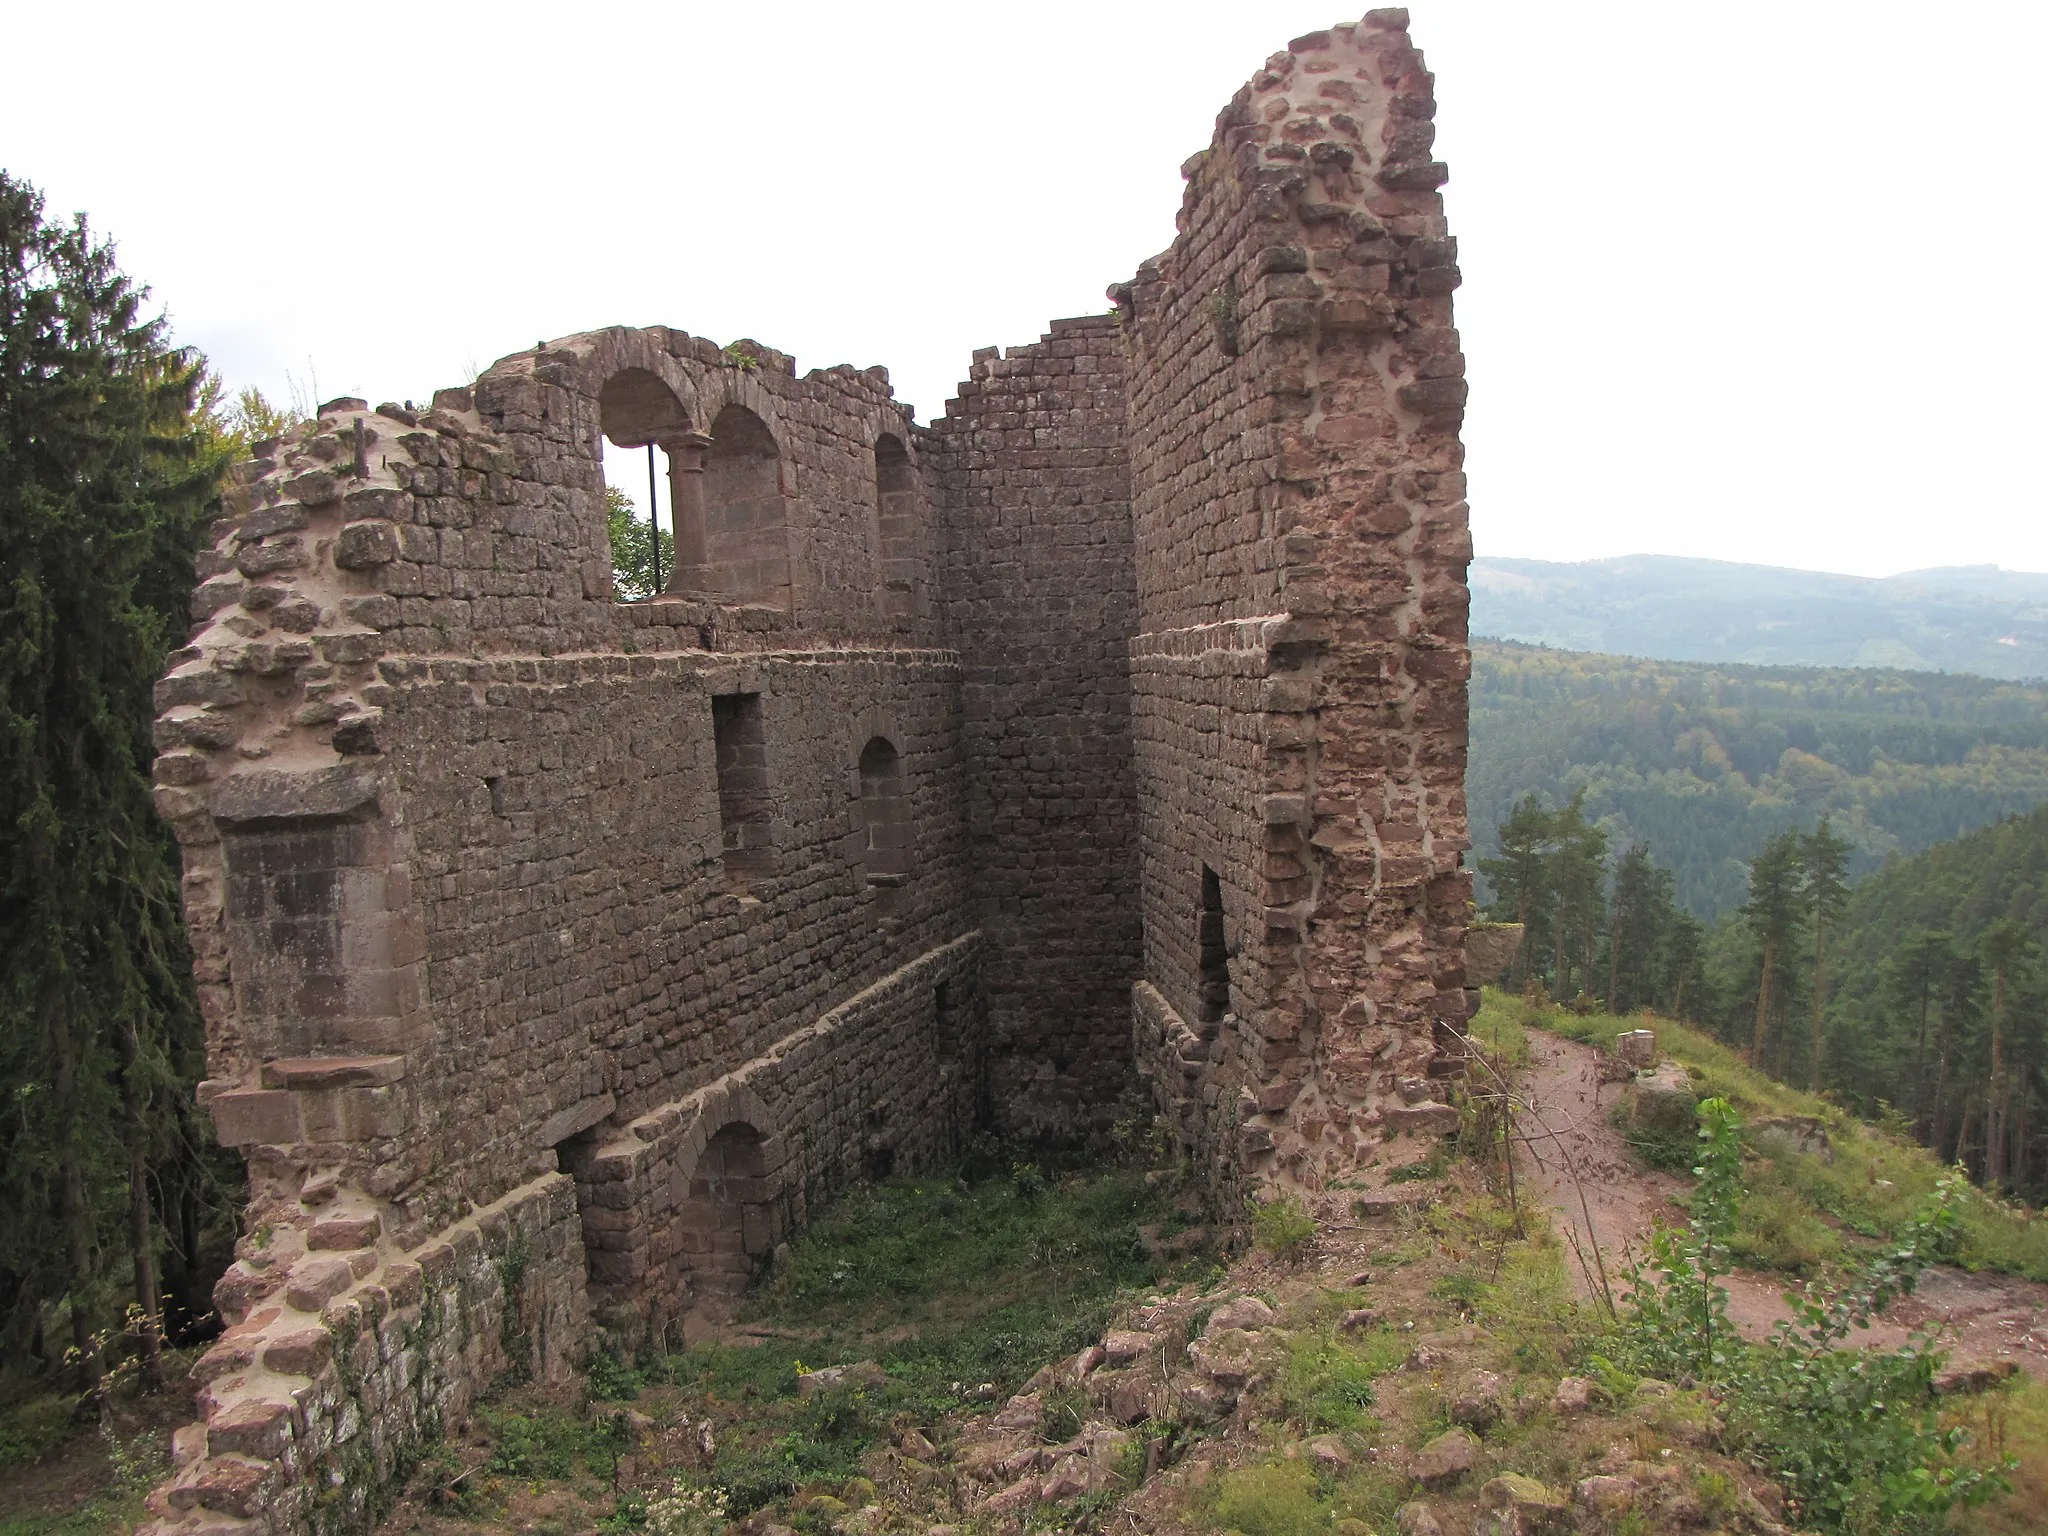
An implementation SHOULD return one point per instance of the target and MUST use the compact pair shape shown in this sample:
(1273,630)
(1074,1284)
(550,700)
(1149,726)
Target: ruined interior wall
(1301,543)
(456,875)
(1039,603)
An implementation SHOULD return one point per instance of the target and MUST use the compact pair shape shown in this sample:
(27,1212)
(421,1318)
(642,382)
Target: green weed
(1282,1225)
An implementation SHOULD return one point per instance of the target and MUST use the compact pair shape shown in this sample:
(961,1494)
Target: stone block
(252,1116)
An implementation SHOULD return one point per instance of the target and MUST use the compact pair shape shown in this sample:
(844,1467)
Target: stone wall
(1040,604)
(459,835)
(1301,542)
(560,955)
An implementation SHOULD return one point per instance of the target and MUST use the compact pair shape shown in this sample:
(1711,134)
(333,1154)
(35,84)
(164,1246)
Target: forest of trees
(116,1209)
(1706,764)
(1921,992)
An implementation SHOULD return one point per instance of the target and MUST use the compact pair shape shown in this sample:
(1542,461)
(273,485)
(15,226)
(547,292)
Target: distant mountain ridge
(1968,618)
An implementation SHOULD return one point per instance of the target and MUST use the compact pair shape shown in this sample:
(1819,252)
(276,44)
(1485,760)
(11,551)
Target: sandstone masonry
(559,954)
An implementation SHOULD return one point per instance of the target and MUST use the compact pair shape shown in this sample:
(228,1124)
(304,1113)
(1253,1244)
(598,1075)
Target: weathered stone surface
(862,1374)
(1605,1494)
(1480,1403)
(1637,1047)
(1490,949)
(1446,1458)
(1239,1312)
(1417,1519)
(1522,1506)
(1574,1394)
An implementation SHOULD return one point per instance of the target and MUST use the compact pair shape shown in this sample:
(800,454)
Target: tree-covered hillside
(1707,763)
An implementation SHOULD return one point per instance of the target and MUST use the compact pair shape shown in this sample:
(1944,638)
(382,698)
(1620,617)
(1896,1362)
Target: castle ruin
(560,954)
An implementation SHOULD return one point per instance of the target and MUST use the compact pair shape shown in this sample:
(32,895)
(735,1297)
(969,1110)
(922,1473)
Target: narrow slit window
(1213,952)
(745,806)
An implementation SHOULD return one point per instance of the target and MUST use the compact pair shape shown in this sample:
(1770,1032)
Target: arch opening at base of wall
(746,520)
(577,1156)
(731,1216)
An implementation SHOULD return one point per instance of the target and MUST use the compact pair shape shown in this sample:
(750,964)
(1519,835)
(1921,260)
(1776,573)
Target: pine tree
(1520,875)
(105,482)
(1577,882)
(1824,892)
(1772,913)
(2006,946)
(1640,925)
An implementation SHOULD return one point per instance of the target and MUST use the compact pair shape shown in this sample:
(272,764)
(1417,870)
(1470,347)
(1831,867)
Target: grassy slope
(1874,1183)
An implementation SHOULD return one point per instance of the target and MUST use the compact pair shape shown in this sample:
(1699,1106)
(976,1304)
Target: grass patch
(2013,1420)
(959,1290)
(1325,1382)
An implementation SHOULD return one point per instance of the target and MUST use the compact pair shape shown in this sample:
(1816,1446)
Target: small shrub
(1062,1412)
(687,1511)
(612,1380)
(1283,1225)
(1855,1435)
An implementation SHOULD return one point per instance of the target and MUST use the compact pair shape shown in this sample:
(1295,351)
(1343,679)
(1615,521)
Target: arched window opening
(885,814)
(746,539)
(639,418)
(899,534)
(1213,993)
(730,1216)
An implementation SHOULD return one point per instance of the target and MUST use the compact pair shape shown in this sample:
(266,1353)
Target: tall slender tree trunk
(1938,1140)
(1920,1074)
(1763,1005)
(1994,1125)
(1614,959)
(1962,1152)
(141,1236)
(71,1205)
(1820,978)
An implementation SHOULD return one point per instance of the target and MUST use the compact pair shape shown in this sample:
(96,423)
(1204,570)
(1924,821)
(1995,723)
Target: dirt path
(1986,1317)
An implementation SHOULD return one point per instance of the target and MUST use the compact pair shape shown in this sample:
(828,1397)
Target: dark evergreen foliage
(107,478)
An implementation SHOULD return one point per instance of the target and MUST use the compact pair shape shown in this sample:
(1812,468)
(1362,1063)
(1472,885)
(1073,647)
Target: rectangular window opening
(745,806)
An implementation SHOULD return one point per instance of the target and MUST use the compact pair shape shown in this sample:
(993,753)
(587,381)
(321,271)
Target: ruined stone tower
(559,953)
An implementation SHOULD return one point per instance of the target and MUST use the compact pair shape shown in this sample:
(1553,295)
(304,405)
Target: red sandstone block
(250,1116)
(345,1232)
(303,1353)
(333,1072)
(315,1282)
(231,1485)
(227,1356)
(257,1428)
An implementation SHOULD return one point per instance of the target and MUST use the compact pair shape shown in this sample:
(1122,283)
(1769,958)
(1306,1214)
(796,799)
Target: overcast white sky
(1754,282)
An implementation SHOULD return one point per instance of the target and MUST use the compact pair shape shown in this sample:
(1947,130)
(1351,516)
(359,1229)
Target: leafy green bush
(1853,1434)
